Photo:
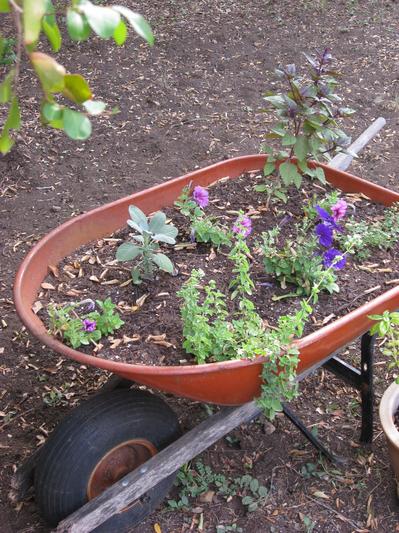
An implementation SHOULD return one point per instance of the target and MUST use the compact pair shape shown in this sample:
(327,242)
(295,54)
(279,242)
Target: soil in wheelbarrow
(152,331)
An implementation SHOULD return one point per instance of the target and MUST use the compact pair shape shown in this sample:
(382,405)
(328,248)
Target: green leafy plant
(307,127)
(204,228)
(210,332)
(297,261)
(193,481)
(387,327)
(31,19)
(151,232)
(81,327)
(363,236)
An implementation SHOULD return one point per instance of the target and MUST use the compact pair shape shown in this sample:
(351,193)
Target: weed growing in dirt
(387,327)
(79,326)
(200,479)
(151,232)
(307,125)
(204,228)
(362,236)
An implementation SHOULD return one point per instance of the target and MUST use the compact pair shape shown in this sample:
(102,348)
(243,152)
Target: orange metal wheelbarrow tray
(231,383)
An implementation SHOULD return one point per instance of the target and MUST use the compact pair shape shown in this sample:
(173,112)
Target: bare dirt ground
(193,99)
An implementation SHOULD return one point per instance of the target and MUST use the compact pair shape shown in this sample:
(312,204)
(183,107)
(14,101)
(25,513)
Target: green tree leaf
(76,125)
(50,73)
(102,20)
(33,11)
(76,88)
(53,33)
(94,107)
(50,27)
(13,122)
(6,143)
(120,33)
(127,252)
(163,262)
(51,111)
(77,25)
(6,87)
(268,168)
(137,22)
(4,6)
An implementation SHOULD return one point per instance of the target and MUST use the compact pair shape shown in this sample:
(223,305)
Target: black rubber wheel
(102,440)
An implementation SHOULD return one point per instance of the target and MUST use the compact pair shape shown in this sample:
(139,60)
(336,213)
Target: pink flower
(243,226)
(339,210)
(201,196)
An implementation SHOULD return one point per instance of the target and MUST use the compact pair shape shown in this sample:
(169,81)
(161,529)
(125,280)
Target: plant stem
(17,12)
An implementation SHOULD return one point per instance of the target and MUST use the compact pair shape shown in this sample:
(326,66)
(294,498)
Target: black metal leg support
(366,387)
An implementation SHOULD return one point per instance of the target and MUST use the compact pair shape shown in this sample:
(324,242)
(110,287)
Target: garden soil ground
(193,99)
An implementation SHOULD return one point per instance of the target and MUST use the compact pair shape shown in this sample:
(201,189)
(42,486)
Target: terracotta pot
(230,382)
(388,407)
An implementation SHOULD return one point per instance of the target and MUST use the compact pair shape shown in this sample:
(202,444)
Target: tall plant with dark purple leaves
(307,129)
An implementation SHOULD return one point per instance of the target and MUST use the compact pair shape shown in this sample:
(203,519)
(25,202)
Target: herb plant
(81,327)
(307,125)
(151,232)
(212,333)
(204,228)
(387,327)
(363,236)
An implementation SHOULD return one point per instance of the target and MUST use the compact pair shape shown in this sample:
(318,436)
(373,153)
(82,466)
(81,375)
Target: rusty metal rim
(119,461)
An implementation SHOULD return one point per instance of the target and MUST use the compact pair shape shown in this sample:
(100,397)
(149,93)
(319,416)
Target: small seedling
(79,328)
(151,231)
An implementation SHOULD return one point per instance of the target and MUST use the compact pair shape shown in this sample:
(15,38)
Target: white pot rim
(388,406)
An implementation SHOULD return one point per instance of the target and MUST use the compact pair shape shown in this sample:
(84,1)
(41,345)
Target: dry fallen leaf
(37,306)
(157,528)
(140,301)
(94,278)
(54,270)
(47,286)
(160,340)
(320,494)
(127,339)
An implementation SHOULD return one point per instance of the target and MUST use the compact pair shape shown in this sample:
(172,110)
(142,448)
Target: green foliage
(68,322)
(204,228)
(199,479)
(297,261)
(211,333)
(387,327)
(150,232)
(36,17)
(363,236)
(307,126)
(7,50)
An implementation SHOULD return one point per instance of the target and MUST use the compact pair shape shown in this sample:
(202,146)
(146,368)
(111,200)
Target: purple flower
(325,234)
(89,325)
(334,258)
(201,196)
(339,210)
(327,218)
(243,226)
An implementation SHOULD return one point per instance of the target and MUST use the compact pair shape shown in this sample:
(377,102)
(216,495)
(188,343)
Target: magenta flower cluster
(243,226)
(201,196)
(325,232)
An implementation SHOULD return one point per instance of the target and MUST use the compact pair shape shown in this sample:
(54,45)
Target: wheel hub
(118,462)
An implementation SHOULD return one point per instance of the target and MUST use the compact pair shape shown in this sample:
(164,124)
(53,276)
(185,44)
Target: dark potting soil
(152,333)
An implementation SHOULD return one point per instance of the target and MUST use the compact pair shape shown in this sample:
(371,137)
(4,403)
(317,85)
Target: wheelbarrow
(120,450)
